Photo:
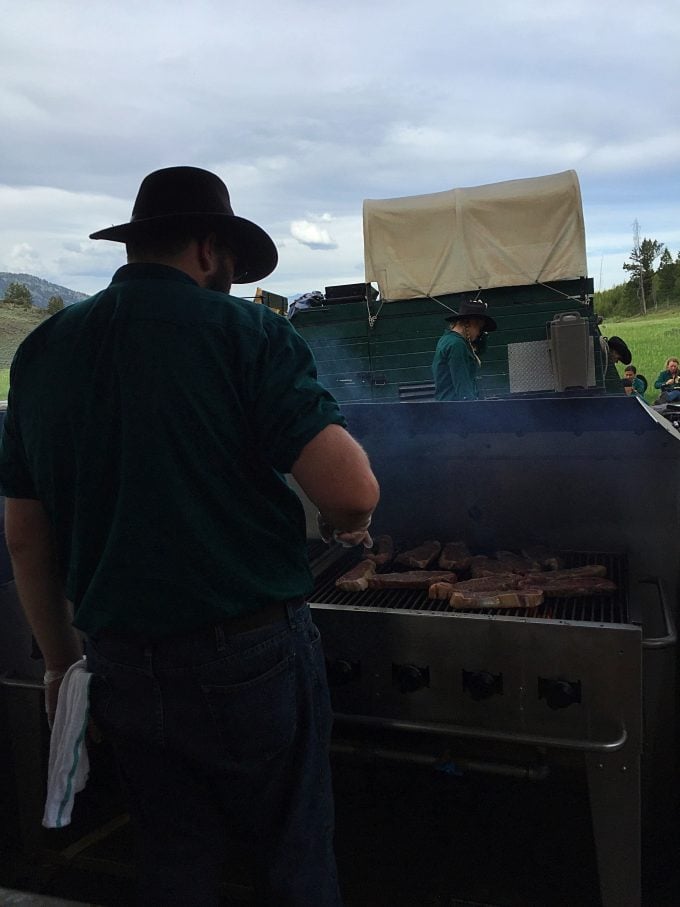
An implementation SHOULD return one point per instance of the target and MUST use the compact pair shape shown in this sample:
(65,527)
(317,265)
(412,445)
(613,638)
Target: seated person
(668,382)
(636,383)
(456,362)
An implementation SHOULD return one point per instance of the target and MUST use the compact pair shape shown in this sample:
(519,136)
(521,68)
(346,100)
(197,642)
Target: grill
(611,609)
(516,691)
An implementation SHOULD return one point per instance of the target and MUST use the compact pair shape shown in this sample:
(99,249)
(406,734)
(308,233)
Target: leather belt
(253,620)
(239,623)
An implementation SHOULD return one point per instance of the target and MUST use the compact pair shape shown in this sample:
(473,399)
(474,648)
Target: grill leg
(614,789)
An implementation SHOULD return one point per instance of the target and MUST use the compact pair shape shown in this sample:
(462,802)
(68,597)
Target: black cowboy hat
(189,196)
(620,348)
(474,308)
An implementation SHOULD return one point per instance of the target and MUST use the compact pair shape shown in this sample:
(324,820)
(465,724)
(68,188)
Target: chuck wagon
(553,455)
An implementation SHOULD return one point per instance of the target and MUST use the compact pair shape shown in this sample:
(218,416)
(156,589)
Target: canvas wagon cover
(500,235)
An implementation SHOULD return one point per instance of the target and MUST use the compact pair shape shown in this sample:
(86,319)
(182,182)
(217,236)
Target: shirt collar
(148,270)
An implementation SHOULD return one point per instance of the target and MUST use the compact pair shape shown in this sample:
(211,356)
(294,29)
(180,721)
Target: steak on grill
(421,557)
(549,576)
(545,557)
(356,579)
(502,582)
(455,556)
(571,586)
(488,566)
(529,597)
(440,591)
(515,563)
(410,579)
(383,550)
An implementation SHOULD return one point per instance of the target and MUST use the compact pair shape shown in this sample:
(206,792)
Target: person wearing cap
(618,350)
(145,446)
(456,362)
(614,350)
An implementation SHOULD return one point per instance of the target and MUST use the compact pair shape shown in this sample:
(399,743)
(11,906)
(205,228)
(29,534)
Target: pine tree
(18,294)
(641,266)
(665,278)
(55,304)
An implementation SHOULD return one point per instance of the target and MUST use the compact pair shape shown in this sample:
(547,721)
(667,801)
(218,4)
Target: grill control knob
(410,678)
(559,693)
(482,684)
(340,671)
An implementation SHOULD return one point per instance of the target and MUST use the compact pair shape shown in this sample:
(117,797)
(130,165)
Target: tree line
(648,287)
(18,294)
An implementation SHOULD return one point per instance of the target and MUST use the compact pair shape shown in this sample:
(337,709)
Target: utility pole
(638,259)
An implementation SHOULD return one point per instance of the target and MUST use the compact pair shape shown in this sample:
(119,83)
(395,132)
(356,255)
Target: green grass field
(651,339)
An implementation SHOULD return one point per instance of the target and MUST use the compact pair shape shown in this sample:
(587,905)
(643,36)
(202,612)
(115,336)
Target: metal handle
(454,730)
(671,637)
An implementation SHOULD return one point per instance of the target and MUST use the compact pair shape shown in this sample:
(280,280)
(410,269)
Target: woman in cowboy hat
(456,362)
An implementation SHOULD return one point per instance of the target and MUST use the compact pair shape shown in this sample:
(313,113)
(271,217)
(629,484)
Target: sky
(306,109)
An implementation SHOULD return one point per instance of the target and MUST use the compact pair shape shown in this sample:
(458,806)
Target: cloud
(312,234)
(305,108)
(23,258)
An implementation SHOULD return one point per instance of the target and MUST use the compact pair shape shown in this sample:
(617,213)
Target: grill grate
(610,609)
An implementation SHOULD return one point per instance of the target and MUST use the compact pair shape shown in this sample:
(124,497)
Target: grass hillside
(651,338)
(15,324)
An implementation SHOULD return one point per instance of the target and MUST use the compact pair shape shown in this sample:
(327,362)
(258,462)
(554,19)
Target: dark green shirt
(455,369)
(155,422)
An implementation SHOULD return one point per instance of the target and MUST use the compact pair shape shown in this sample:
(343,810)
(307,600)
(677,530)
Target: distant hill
(41,290)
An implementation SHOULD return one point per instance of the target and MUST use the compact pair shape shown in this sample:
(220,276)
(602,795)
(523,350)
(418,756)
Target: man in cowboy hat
(456,361)
(148,432)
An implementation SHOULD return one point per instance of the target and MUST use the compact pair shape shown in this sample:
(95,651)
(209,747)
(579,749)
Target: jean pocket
(255,719)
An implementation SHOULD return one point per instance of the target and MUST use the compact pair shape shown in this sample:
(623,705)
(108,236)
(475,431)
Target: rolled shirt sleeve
(290,406)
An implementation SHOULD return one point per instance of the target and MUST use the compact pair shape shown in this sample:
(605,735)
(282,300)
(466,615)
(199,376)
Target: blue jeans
(216,733)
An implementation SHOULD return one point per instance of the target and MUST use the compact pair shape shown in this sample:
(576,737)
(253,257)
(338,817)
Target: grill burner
(612,609)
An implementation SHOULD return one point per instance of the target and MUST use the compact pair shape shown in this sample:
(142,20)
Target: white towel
(69,764)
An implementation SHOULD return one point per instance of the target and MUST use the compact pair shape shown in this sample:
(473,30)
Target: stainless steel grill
(560,683)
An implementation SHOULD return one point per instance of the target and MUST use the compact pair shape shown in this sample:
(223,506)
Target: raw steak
(356,579)
(410,579)
(455,556)
(421,557)
(382,551)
